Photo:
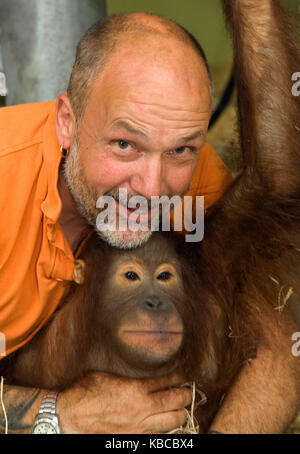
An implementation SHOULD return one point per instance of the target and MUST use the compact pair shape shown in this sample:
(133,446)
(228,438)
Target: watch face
(44,428)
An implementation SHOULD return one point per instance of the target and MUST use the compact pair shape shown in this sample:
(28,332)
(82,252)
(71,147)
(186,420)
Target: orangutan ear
(79,271)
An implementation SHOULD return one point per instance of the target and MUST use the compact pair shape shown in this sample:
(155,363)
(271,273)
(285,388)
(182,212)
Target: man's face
(143,129)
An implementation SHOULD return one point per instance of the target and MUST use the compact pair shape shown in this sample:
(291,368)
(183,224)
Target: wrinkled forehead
(172,74)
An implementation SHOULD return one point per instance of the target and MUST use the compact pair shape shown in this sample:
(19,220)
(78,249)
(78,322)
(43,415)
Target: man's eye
(123,145)
(181,150)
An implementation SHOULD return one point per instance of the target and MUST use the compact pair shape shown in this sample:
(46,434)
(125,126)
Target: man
(135,117)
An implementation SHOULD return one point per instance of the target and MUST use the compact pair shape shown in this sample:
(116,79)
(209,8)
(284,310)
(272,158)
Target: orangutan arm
(266,44)
(266,395)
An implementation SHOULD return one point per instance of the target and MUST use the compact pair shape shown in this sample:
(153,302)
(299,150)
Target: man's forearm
(21,406)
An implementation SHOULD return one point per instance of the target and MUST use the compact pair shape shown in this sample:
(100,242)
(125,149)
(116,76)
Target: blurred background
(38,41)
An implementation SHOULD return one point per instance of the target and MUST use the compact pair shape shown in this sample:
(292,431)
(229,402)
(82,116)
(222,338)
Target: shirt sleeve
(211,177)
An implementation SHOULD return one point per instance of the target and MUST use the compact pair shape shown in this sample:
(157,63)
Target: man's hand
(101,403)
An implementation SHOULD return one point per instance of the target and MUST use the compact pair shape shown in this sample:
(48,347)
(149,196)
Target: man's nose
(148,178)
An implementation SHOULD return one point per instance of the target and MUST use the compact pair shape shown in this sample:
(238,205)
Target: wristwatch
(46,421)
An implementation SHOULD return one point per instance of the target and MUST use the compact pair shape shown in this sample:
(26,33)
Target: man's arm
(21,406)
(104,404)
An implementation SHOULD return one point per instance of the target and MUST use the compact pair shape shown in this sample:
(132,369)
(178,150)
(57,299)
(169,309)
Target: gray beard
(86,197)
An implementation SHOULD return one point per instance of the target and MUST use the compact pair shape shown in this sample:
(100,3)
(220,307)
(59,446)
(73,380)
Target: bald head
(105,39)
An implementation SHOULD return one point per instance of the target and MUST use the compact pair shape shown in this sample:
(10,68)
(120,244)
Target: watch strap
(48,404)
(47,413)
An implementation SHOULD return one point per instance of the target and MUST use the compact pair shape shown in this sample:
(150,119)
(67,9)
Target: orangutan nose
(154,303)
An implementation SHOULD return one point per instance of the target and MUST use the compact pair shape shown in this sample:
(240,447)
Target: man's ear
(79,271)
(65,122)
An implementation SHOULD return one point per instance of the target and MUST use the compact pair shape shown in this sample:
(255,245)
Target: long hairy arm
(260,215)
(265,397)
(266,40)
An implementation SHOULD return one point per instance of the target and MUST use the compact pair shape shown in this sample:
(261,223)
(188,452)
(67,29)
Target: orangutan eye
(132,276)
(164,276)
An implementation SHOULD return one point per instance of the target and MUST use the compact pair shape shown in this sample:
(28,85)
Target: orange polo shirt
(36,262)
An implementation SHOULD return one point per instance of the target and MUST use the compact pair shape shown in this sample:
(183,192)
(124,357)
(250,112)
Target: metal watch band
(48,403)
(46,420)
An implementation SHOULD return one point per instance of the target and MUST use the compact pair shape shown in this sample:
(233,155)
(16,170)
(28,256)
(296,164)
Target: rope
(3,406)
